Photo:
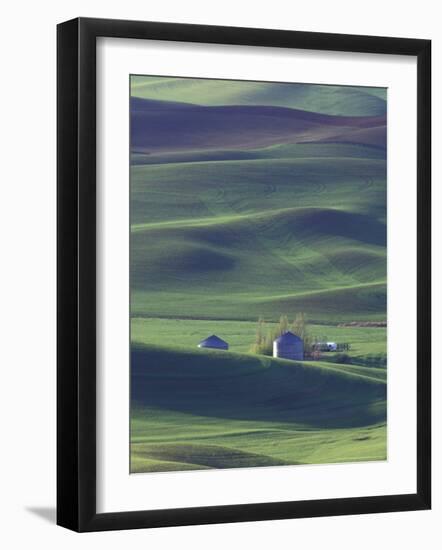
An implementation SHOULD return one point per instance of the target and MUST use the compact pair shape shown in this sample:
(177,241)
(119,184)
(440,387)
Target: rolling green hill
(262,410)
(189,190)
(332,100)
(289,151)
(260,237)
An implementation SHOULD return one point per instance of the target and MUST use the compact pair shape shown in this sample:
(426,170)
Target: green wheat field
(250,201)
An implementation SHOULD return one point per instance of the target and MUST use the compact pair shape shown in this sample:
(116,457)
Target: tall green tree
(266,334)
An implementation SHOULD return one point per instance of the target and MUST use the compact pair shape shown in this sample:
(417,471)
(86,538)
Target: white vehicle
(325,346)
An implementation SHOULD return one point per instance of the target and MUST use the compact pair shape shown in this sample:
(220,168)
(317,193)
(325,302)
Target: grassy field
(254,200)
(241,334)
(200,442)
(222,409)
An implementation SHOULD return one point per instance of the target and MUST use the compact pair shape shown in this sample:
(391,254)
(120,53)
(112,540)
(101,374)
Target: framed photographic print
(243,274)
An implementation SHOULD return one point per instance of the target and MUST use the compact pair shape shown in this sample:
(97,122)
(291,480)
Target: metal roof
(288,337)
(211,340)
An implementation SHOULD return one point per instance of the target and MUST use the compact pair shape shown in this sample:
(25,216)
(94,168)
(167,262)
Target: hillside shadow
(317,222)
(242,387)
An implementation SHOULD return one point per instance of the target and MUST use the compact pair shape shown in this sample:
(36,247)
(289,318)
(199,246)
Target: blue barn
(289,346)
(213,342)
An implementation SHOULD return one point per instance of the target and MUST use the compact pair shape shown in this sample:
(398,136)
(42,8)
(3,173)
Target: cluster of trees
(266,333)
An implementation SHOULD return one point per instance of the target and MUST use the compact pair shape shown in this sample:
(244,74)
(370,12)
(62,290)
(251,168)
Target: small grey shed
(213,342)
(289,346)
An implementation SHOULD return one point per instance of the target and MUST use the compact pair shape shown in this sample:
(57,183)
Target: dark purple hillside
(167,126)
(375,136)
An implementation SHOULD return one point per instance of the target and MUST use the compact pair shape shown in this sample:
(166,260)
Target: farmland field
(255,201)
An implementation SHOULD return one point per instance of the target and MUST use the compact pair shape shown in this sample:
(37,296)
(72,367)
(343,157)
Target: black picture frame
(76,274)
